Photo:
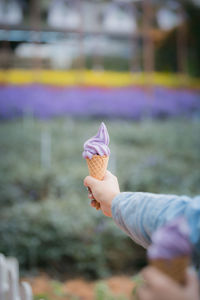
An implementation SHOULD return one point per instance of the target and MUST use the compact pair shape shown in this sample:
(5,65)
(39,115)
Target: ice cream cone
(96,152)
(97,166)
(175,268)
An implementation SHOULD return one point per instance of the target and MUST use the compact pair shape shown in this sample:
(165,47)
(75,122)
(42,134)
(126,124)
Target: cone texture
(174,268)
(97,166)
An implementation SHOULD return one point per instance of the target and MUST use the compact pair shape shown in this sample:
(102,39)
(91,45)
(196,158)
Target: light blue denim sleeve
(140,214)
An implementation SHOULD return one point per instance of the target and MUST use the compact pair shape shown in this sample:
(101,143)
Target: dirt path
(79,289)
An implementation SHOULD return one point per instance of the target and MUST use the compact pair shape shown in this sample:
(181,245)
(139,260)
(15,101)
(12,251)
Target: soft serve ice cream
(171,249)
(98,144)
(96,152)
(170,241)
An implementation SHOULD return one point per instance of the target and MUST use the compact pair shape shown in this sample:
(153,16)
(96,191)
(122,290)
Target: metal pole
(35,23)
(6,52)
(182,44)
(134,40)
(148,51)
(97,58)
(148,43)
(81,37)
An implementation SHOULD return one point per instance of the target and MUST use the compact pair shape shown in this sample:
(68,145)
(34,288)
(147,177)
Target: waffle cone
(97,166)
(174,268)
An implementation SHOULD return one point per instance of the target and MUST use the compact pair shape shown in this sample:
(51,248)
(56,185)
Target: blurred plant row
(128,102)
(46,220)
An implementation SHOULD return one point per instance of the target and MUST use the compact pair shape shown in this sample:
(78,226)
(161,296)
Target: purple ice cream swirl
(170,241)
(98,144)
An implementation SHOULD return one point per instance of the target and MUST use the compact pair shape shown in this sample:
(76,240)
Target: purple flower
(129,102)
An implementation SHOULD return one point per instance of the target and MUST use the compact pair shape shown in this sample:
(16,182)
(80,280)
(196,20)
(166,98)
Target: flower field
(125,102)
(46,220)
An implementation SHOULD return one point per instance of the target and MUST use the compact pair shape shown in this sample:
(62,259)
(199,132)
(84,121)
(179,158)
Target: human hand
(158,286)
(104,191)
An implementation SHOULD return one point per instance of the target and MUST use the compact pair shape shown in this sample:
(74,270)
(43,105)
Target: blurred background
(66,66)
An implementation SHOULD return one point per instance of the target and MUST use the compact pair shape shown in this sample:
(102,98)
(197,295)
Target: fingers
(159,286)
(191,279)
(89,181)
(90,195)
(93,203)
(144,294)
(155,278)
(98,206)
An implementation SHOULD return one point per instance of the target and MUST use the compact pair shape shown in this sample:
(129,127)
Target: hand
(103,191)
(158,286)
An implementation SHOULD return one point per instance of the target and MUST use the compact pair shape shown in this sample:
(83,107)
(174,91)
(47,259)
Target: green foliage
(45,217)
(138,282)
(102,292)
(41,297)
(46,234)
(193,15)
(166,52)
(114,63)
(57,288)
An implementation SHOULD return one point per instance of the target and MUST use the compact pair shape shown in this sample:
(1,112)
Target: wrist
(112,197)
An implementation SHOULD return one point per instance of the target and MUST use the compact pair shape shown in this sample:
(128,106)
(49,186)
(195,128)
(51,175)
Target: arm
(140,214)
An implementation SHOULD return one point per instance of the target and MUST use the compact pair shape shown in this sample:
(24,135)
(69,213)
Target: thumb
(108,175)
(90,181)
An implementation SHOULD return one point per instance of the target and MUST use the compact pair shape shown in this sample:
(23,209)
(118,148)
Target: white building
(96,16)
(119,19)
(10,12)
(62,14)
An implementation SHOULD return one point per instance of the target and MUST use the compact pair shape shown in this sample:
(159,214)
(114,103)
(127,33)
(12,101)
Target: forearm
(140,214)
